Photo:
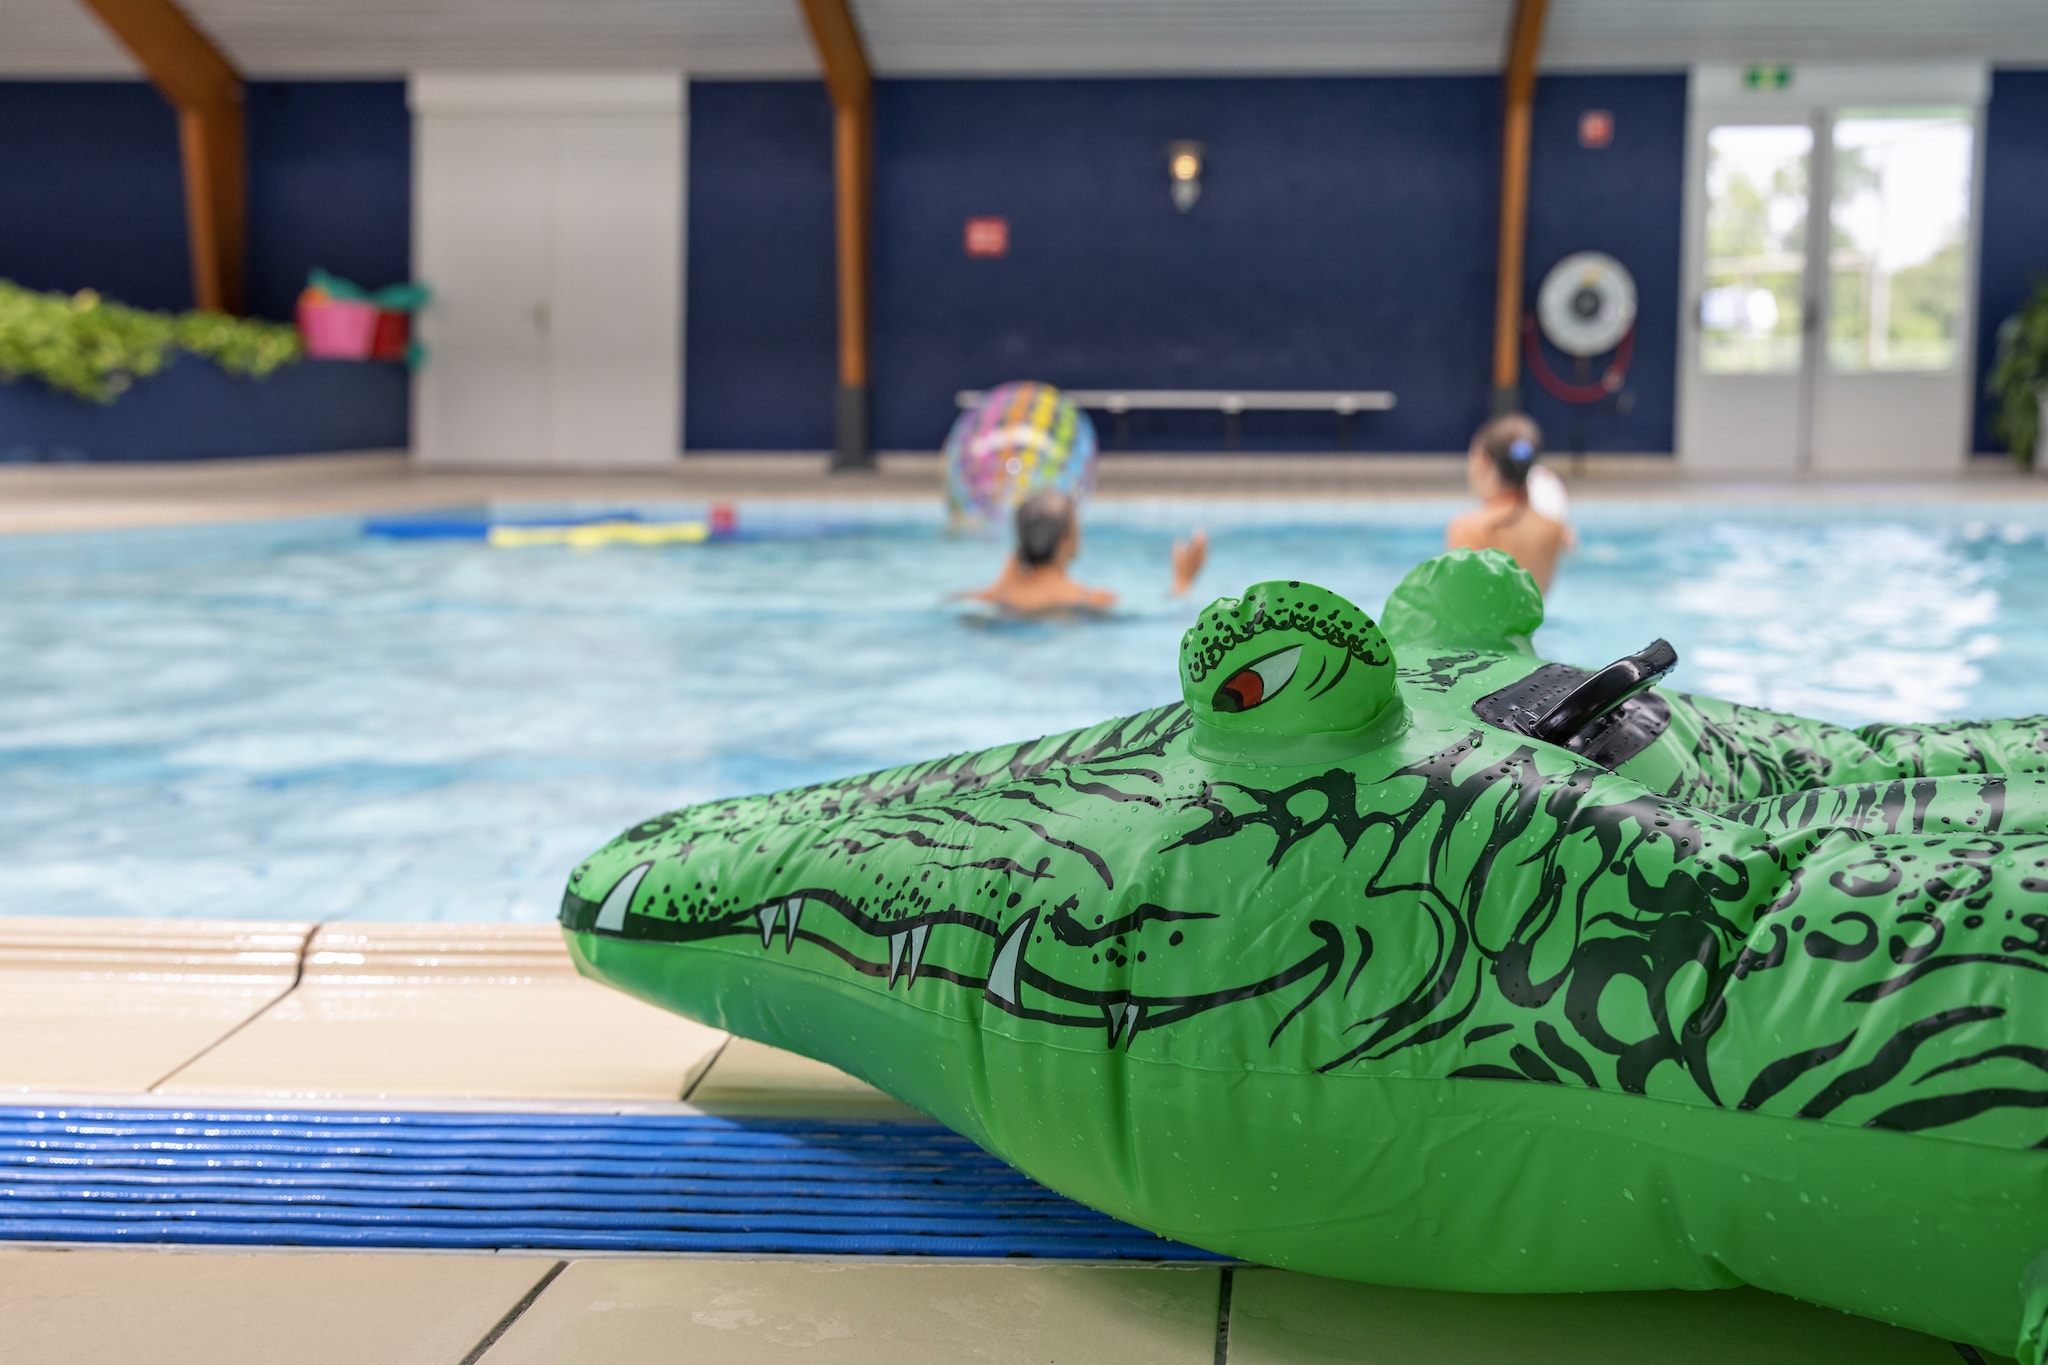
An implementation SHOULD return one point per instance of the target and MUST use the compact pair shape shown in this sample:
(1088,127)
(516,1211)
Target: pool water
(302,722)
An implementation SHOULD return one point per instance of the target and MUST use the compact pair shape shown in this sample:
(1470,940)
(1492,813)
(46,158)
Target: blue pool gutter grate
(555,1182)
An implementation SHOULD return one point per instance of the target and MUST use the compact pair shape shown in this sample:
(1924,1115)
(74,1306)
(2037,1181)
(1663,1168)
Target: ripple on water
(411,730)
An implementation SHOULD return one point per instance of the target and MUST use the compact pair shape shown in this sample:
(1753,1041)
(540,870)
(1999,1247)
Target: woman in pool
(1498,469)
(1035,580)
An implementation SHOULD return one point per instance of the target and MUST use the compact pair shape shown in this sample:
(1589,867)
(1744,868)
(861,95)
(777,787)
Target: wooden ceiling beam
(206,90)
(1525,42)
(850,81)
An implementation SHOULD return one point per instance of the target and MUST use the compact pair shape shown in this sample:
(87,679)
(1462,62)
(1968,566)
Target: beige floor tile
(458,1011)
(1279,1318)
(753,1078)
(623,1312)
(118,1004)
(304,1308)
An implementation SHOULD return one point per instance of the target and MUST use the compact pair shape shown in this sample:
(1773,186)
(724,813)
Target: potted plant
(2019,381)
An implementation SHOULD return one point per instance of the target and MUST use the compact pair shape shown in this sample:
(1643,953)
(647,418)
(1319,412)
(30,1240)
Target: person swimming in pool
(1034,579)
(1501,470)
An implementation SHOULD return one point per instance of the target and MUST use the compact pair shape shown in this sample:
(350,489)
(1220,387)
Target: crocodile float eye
(1258,681)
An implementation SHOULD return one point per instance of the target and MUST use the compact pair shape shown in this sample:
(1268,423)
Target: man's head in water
(1502,454)
(1048,539)
(1048,533)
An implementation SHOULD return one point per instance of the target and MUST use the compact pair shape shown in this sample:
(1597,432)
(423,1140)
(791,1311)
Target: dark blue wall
(193,411)
(91,196)
(1345,239)
(1341,241)
(1623,199)
(330,184)
(761,320)
(90,191)
(2014,245)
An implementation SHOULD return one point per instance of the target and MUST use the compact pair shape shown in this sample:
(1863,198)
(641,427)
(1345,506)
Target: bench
(1232,403)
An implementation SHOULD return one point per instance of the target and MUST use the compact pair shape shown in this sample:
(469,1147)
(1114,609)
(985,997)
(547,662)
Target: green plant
(81,344)
(2019,374)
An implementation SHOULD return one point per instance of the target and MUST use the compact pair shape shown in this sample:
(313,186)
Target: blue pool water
(294,720)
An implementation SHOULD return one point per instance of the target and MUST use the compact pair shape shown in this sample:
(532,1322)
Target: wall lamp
(1184,169)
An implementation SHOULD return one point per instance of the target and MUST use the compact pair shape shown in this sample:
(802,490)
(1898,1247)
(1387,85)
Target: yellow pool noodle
(596,534)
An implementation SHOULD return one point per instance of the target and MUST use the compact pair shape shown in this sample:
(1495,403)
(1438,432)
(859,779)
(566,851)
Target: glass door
(1752,297)
(1893,394)
(1830,263)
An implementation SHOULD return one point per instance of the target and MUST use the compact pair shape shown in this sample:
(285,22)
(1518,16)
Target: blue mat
(566,1182)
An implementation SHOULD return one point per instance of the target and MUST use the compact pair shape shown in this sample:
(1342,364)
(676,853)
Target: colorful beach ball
(1020,438)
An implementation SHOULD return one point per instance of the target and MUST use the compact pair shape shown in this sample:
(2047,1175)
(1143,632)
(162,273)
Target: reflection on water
(1875,623)
(412,731)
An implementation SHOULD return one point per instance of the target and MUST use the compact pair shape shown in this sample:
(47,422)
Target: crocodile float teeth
(1002,976)
(611,916)
(1123,1021)
(783,915)
(907,944)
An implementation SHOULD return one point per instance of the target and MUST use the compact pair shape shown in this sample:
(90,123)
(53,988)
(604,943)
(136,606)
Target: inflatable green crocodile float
(1469,972)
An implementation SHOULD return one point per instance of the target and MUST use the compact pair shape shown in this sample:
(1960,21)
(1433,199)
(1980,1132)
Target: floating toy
(1427,962)
(340,320)
(597,530)
(1017,440)
(591,535)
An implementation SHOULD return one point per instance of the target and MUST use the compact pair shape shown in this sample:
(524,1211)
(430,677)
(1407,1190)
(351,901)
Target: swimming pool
(292,720)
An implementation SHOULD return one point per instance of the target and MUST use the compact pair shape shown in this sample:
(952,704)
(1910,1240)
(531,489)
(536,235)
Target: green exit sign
(1767,76)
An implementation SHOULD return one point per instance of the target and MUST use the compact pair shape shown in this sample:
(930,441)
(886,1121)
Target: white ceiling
(1033,37)
(390,37)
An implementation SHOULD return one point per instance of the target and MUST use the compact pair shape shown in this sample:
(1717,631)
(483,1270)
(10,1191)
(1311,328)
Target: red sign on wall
(1596,128)
(988,237)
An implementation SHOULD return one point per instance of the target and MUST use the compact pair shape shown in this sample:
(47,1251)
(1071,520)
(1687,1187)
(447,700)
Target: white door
(484,244)
(548,213)
(617,312)
(1850,359)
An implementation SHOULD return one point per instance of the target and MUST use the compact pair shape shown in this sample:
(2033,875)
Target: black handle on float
(1604,691)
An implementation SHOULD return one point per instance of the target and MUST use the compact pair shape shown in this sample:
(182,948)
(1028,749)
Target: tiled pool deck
(237,1015)
(241,1015)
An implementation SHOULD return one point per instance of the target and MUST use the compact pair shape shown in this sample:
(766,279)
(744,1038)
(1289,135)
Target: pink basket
(338,329)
